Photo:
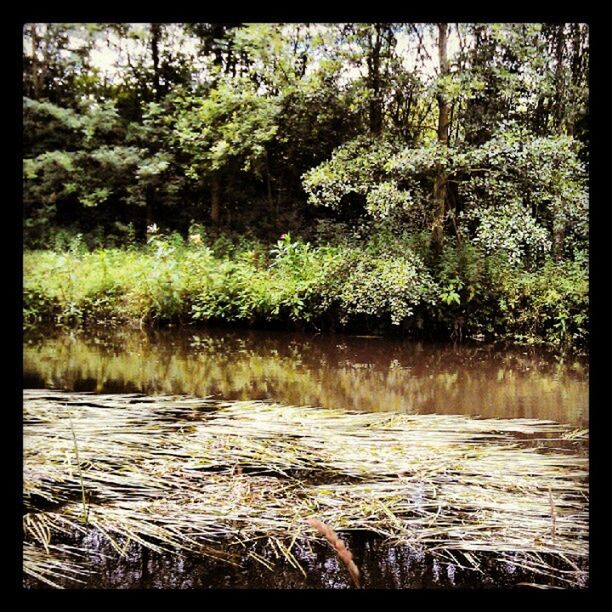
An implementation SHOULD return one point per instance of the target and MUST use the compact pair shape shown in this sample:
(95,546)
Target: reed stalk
(78,460)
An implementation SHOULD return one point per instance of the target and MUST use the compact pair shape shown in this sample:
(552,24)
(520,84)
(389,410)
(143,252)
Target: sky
(109,55)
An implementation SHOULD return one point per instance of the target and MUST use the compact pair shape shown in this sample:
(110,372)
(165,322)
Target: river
(332,371)
(347,373)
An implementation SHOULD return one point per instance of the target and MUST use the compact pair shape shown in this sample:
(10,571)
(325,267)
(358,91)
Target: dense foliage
(422,177)
(352,285)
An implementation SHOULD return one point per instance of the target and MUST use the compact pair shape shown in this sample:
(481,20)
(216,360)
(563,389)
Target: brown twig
(553,514)
(339,546)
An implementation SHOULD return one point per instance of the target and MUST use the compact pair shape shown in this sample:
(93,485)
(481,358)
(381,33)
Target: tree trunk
(439,191)
(46,59)
(576,73)
(215,187)
(561,123)
(558,235)
(560,78)
(278,201)
(559,227)
(35,70)
(374,79)
(39,68)
(215,198)
(269,182)
(150,215)
(155,37)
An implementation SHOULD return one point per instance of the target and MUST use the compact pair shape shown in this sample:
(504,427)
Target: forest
(422,180)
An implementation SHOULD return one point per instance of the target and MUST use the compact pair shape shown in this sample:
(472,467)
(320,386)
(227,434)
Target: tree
(58,64)
(249,124)
(224,133)
(439,189)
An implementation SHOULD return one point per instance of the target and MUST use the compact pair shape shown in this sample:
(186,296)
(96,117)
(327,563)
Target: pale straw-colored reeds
(187,474)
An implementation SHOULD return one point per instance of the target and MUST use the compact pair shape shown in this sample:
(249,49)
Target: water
(381,568)
(334,371)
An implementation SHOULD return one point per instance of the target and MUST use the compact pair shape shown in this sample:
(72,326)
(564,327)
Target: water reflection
(355,373)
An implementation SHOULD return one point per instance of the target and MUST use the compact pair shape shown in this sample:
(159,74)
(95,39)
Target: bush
(39,306)
(382,284)
(389,289)
(551,304)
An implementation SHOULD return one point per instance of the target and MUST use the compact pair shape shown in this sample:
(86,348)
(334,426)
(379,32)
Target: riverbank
(294,285)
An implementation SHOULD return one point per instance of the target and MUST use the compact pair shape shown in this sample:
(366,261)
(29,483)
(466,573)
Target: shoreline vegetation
(421,179)
(378,286)
(181,475)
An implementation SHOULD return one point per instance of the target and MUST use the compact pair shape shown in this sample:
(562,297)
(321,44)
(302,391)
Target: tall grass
(295,284)
(291,284)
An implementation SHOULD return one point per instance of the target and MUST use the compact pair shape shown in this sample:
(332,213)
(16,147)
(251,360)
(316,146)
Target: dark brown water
(335,371)
(381,567)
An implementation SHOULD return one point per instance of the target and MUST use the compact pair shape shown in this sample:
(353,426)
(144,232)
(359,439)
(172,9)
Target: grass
(179,474)
(296,285)
(78,461)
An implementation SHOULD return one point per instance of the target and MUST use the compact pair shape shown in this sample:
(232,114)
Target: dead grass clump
(184,474)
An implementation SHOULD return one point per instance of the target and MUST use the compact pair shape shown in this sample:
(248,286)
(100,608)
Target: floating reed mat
(191,475)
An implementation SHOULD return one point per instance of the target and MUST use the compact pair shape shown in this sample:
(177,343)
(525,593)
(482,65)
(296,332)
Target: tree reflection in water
(335,371)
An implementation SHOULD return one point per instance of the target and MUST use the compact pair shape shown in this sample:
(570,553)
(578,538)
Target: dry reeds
(186,474)
(51,564)
(553,516)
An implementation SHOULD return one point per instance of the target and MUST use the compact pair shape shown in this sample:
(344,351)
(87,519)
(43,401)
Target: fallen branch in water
(339,546)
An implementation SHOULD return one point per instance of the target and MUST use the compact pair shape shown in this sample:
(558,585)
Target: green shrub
(386,288)
(551,304)
(381,284)
(39,306)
